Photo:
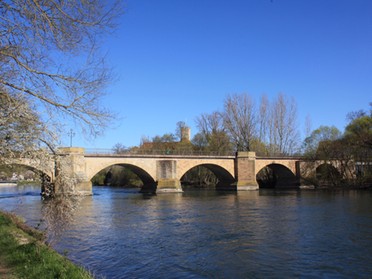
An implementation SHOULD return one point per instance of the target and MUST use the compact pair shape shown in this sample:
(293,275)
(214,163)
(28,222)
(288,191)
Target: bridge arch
(276,175)
(225,179)
(327,174)
(47,173)
(142,174)
(144,168)
(46,176)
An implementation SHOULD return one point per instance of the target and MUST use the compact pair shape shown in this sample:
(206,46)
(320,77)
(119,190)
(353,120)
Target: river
(119,233)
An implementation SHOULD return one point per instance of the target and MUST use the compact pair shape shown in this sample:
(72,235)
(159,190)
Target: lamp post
(71,134)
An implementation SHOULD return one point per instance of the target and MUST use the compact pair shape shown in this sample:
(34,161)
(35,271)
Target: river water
(119,233)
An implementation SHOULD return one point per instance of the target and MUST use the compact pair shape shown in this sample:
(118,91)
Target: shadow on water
(105,190)
(207,192)
(19,191)
(20,194)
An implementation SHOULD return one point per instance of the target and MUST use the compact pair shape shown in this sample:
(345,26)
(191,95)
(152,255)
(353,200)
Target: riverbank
(24,254)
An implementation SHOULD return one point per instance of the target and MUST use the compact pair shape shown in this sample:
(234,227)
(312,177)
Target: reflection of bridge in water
(164,172)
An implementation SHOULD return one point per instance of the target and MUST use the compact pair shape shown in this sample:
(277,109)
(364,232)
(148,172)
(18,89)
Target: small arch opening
(24,175)
(276,176)
(327,175)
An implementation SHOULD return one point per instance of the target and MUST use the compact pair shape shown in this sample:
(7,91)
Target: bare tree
(240,120)
(263,118)
(213,133)
(210,123)
(284,135)
(51,70)
(119,148)
(49,56)
(271,129)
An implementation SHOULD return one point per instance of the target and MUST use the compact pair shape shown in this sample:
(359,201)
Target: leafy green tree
(358,135)
(346,158)
(260,147)
(200,142)
(323,133)
(359,131)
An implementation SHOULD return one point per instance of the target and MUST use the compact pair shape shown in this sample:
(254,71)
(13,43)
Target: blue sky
(176,59)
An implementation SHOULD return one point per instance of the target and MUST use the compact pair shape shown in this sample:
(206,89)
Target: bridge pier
(245,171)
(169,185)
(166,177)
(72,165)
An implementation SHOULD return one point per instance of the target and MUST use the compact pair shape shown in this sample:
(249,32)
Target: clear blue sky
(177,59)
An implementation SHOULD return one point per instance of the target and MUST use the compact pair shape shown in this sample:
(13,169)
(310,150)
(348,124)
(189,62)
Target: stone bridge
(164,172)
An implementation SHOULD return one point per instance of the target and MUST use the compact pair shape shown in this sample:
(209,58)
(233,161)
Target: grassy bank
(23,253)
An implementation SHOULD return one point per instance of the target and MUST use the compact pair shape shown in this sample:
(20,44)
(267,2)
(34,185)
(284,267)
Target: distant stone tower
(185,134)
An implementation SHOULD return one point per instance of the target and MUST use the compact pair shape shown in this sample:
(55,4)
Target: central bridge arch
(222,168)
(139,172)
(225,179)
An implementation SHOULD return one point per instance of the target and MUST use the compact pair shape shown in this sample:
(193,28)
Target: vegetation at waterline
(23,253)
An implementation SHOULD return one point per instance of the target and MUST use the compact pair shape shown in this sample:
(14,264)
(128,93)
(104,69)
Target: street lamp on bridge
(71,134)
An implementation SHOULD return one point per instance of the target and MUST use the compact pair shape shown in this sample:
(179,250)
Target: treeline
(266,127)
(271,128)
(350,151)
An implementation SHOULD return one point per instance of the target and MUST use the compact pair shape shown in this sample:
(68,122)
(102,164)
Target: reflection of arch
(276,176)
(326,174)
(141,173)
(224,179)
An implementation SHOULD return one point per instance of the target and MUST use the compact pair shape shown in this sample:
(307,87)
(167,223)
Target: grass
(23,253)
